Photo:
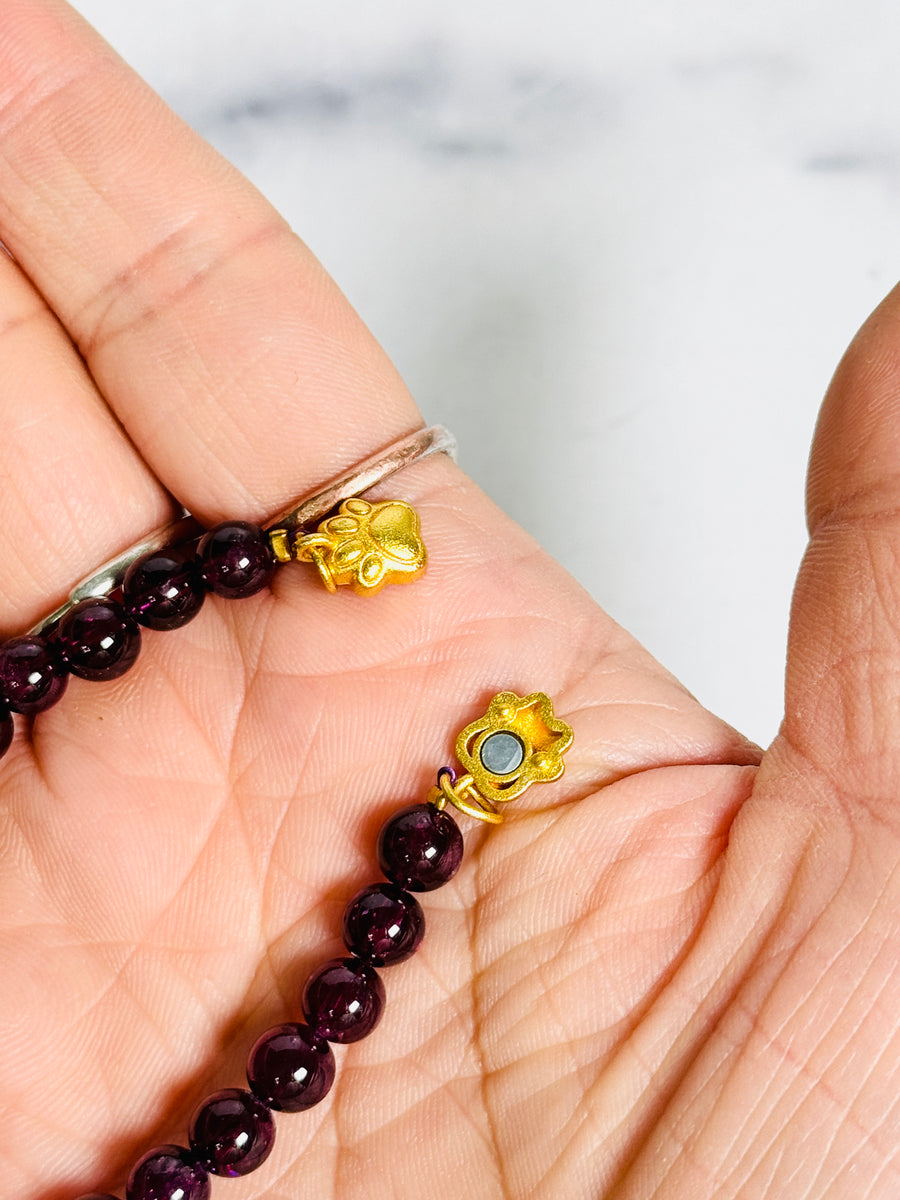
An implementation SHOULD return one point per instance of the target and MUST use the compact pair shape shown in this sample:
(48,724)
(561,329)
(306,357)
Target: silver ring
(403,453)
(108,577)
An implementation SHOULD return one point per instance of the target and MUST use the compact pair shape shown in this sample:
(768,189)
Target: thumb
(843,678)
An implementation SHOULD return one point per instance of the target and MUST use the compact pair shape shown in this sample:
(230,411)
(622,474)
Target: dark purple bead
(420,848)
(237,559)
(290,1069)
(164,589)
(168,1173)
(343,1000)
(383,924)
(98,1196)
(7,729)
(33,675)
(232,1133)
(98,640)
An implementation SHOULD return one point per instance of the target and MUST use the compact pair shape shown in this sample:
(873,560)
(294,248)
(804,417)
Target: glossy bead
(164,589)
(6,729)
(383,924)
(98,640)
(420,848)
(343,1000)
(290,1069)
(32,674)
(236,559)
(167,1173)
(232,1133)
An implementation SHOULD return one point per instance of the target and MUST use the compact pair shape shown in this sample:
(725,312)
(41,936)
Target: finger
(856,455)
(74,490)
(236,366)
(843,681)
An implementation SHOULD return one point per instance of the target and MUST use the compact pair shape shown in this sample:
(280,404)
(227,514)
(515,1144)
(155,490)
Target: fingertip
(854,468)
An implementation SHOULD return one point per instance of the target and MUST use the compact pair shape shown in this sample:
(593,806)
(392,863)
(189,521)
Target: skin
(671,974)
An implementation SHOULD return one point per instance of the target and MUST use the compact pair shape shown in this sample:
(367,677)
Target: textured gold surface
(544,740)
(465,796)
(364,545)
(279,540)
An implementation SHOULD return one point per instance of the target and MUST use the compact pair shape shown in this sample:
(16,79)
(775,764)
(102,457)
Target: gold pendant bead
(363,545)
(516,743)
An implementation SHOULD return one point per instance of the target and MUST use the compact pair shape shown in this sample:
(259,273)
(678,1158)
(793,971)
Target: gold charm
(516,743)
(364,545)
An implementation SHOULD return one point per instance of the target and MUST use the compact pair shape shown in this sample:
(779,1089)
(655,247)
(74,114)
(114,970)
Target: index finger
(238,369)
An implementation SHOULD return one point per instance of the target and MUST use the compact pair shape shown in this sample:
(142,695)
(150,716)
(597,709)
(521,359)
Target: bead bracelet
(161,582)
(291,1067)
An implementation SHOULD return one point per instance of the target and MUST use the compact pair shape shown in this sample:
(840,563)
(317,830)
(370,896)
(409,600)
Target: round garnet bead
(383,924)
(32,674)
(420,848)
(6,729)
(232,1133)
(343,1000)
(236,559)
(164,589)
(168,1173)
(291,1069)
(98,640)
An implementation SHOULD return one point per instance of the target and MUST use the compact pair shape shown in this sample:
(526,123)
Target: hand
(673,973)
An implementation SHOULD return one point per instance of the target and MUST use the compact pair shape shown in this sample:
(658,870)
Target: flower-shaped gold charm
(365,545)
(516,743)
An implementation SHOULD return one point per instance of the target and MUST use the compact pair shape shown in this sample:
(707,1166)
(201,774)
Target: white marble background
(617,247)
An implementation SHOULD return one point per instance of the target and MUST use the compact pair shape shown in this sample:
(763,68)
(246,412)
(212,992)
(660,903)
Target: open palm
(673,973)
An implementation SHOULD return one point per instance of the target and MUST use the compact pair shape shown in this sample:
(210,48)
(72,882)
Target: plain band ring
(435,439)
